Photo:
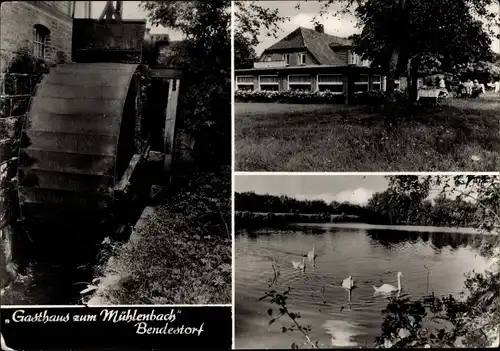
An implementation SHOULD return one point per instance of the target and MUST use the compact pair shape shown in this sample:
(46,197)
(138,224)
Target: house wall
(349,76)
(17,27)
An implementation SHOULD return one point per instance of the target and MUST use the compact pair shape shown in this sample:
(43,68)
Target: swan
(388,288)
(300,264)
(311,255)
(348,284)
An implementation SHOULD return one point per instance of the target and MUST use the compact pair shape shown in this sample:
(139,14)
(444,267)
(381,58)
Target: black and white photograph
(364,261)
(115,153)
(367,86)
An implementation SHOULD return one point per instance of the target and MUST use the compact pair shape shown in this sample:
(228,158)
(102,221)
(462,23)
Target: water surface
(371,256)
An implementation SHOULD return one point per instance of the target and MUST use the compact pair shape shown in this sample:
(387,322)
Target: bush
(290,97)
(377,97)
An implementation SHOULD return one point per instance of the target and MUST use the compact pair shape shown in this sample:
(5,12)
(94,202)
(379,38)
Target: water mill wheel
(78,138)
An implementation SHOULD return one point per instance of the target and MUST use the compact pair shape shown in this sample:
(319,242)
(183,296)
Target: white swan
(300,264)
(388,288)
(348,284)
(311,255)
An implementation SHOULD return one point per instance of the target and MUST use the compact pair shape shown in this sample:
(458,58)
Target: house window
(269,83)
(40,39)
(397,86)
(286,58)
(331,82)
(299,82)
(244,83)
(361,84)
(301,59)
(353,58)
(377,82)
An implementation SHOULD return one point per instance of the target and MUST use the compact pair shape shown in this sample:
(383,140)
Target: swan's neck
(399,282)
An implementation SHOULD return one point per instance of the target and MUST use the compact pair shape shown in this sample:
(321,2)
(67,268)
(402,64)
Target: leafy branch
(281,301)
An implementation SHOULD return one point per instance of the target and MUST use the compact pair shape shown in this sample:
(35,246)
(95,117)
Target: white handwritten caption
(114,316)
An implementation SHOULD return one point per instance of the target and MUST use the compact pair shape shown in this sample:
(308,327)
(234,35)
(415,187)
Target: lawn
(458,135)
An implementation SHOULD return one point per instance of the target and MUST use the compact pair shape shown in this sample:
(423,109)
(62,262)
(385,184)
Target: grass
(184,252)
(459,135)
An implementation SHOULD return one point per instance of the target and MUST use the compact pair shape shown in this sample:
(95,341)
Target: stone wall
(17,27)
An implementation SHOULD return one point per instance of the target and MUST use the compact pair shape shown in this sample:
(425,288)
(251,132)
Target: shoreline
(261,220)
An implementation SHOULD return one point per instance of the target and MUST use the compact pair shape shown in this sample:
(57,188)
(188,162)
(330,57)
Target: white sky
(355,189)
(303,18)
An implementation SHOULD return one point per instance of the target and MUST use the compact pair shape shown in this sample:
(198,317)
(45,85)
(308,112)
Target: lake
(370,254)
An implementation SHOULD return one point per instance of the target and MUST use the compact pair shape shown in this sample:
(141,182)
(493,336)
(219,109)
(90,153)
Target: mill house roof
(320,45)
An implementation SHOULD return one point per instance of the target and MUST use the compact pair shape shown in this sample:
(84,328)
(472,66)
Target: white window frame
(286,58)
(238,83)
(379,82)
(353,58)
(269,75)
(40,36)
(329,83)
(299,83)
(398,83)
(299,59)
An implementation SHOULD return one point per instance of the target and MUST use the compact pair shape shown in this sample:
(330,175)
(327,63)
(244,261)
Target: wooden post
(109,11)
(171,113)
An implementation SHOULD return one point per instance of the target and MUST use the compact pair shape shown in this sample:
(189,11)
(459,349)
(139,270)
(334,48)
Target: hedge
(373,97)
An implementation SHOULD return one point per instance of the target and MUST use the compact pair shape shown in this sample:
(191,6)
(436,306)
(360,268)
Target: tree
(471,320)
(205,58)
(421,35)
(403,36)
(250,18)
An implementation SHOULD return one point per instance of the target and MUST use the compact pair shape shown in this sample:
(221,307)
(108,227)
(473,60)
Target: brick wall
(18,19)
(16,86)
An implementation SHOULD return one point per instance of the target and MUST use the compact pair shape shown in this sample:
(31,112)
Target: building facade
(41,28)
(311,60)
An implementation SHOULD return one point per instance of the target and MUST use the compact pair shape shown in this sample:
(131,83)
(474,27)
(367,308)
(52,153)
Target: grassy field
(184,252)
(459,135)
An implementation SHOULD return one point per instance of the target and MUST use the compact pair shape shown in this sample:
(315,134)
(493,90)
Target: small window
(301,59)
(353,58)
(286,58)
(40,39)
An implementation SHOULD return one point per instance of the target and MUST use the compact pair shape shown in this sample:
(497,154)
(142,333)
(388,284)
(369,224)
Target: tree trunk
(393,64)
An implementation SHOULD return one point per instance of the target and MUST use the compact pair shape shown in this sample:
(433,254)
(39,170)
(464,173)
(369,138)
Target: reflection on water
(430,261)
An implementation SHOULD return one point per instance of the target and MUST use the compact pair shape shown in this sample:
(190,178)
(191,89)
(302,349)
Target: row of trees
(405,202)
